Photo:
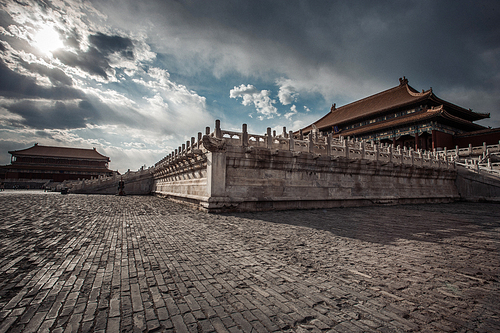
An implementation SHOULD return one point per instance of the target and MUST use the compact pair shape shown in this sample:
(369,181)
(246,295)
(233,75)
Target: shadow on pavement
(388,224)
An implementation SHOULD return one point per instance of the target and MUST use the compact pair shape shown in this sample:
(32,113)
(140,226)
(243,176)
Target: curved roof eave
(395,97)
(61,152)
(471,115)
(411,118)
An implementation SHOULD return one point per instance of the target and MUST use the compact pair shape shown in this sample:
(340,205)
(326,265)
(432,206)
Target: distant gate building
(405,117)
(56,163)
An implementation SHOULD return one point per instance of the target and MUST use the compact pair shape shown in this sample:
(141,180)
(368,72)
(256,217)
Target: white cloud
(293,111)
(307,109)
(260,99)
(287,94)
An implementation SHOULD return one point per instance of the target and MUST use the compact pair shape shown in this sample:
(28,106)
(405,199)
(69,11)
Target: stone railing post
(329,144)
(216,174)
(470,149)
(218,131)
(244,135)
(284,132)
(375,151)
(362,148)
(346,148)
(310,143)
(269,138)
(200,135)
(291,141)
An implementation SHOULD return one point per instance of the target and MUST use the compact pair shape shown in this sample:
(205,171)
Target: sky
(136,79)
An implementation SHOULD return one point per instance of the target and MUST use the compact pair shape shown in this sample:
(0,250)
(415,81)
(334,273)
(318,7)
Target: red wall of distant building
(477,140)
(441,140)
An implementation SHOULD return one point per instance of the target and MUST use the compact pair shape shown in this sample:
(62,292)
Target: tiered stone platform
(237,171)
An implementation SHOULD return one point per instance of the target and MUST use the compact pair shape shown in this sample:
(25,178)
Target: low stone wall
(237,171)
(477,185)
(136,183)
(261,180)
(183,181)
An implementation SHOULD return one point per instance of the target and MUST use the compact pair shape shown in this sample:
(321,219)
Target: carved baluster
(218,131)
(244,136)
(311,143)
(329,144)
(269,138)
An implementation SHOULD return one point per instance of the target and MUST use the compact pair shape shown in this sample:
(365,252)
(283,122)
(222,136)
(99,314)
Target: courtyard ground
(86,263)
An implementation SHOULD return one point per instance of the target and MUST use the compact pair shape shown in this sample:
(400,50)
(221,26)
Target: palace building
(406,117)
(56,164)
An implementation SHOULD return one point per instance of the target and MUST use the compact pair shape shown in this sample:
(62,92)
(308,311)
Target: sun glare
(47,40)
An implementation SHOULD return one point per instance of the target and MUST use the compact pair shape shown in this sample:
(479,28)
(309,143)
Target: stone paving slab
(78,263)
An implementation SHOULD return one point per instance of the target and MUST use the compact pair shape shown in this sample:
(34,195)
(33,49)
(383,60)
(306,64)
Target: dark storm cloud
(56,76)
(438,43)
(91,61)
(60,115)
(13,84)
(5,19)
(44,134)
(113,44)
(72,39)
(433,38)
(95,60)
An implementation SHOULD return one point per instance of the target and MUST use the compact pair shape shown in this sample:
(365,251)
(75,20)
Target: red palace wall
(441,140)
(477,140)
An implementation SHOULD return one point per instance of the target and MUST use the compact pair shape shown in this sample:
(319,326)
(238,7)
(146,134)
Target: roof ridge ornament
(403,81)
(334,107)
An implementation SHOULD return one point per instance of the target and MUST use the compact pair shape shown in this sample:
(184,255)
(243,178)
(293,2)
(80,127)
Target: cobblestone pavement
(76,263)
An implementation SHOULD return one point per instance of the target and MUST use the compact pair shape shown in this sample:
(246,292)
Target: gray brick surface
(78,263)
